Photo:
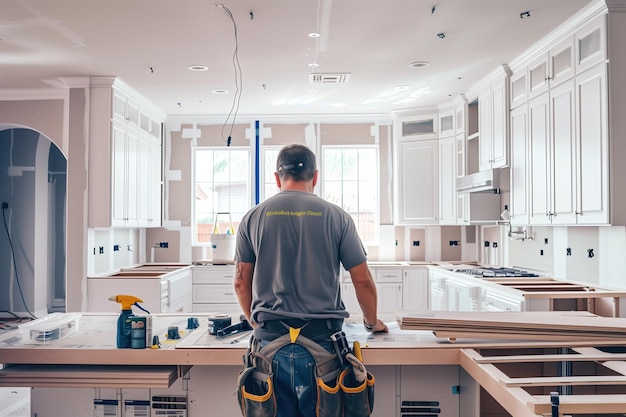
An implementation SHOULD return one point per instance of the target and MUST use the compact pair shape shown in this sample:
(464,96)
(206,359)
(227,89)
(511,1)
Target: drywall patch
(173,175)
(191,133)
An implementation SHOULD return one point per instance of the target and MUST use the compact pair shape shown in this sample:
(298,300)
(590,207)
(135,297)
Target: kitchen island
(197,372)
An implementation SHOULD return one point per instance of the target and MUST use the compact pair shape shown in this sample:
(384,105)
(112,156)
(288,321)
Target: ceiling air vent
(329,78)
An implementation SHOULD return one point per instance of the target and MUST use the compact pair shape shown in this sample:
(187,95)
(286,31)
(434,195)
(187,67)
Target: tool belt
(338,392)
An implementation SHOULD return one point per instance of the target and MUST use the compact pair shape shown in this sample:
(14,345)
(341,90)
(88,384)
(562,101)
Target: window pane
(333,164)
(332,192)
(221,186)
(350,164)
(270,165)
(350,180)
(351,197)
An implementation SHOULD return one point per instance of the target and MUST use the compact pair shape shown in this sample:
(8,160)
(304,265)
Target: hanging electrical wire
(17,279)
(238,80)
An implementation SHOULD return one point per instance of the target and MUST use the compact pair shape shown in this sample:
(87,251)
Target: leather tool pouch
(358,398)
(256,393)
(338,394)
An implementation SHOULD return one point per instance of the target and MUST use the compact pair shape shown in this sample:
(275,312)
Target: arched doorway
(33,194)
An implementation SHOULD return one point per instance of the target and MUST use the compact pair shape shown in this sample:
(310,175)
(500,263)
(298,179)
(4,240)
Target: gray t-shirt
(297,241)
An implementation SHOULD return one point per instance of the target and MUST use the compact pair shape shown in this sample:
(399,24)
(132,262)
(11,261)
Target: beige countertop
(94,344)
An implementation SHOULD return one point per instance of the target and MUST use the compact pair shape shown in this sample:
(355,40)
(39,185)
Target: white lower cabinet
(496,301)
(438,294)
(415,289)
(429,390)
(463,295)
(212,289)
(401,288)
(389,288)
(389,297)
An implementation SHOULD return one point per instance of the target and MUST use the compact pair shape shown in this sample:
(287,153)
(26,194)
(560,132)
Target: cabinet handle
(578,213)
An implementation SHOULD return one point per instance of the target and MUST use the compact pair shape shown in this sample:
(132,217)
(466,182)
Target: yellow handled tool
(356,348)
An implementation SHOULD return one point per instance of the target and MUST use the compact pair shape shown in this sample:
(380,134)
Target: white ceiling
(150,43)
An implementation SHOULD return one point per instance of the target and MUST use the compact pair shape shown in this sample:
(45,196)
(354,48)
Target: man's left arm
(243,287)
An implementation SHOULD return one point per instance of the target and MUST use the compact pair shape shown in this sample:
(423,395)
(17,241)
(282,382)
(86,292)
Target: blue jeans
(294,380)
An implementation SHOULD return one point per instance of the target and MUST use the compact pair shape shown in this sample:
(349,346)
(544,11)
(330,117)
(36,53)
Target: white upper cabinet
(447,181)
(592,152)
(447,126)
(566,149)
(591,46)
(417,182)
(416,166)
(519,202)
(551,68)
(490,98)
(416,127)
(124,157)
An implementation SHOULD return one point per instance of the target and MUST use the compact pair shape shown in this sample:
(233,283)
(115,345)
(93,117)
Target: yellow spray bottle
(123,324)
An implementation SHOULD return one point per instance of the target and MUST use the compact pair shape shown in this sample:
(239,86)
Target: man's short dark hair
(297,162)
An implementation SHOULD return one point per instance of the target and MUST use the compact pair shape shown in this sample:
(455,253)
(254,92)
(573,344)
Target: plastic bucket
(222,247)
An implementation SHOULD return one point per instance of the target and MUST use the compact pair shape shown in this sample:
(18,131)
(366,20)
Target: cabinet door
(446,124)
(593,177)
(591,46)
(389,297)
(562,62)
(438,293)
(499,302)
(563,136)
(155,184)
(118,192)
(133,176)
(447,181)
(415,289)
(143,200)
(485,137)
(540,190)
(418,183)
(417,127)
(499,125)
(538,72)
(519,93)
(428,386)
(519,166)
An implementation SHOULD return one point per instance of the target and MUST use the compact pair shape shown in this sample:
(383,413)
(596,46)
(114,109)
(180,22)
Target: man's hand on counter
(379,327)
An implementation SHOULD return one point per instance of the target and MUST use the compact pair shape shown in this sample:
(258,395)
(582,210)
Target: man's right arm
(365,288)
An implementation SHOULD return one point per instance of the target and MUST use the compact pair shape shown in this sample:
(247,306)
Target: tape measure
(218,322)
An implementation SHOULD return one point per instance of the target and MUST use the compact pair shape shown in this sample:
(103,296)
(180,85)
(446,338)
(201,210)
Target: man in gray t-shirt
(288,257)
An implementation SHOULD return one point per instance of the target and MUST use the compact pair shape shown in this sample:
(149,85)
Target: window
(349,179)
(268,167)
(221,181)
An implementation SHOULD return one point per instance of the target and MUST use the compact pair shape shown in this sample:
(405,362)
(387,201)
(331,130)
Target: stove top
(489,272)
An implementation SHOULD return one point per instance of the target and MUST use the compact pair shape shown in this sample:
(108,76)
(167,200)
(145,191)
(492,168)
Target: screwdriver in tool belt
(356,348)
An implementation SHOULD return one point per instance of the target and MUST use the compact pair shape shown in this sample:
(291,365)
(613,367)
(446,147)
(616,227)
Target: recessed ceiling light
(314,65)
(198,67)
(402,87)
(419,64)
(220,91)
(314,35)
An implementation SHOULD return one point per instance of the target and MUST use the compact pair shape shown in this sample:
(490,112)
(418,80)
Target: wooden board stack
(549,325)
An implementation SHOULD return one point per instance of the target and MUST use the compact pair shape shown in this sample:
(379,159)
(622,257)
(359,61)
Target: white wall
(607,266)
